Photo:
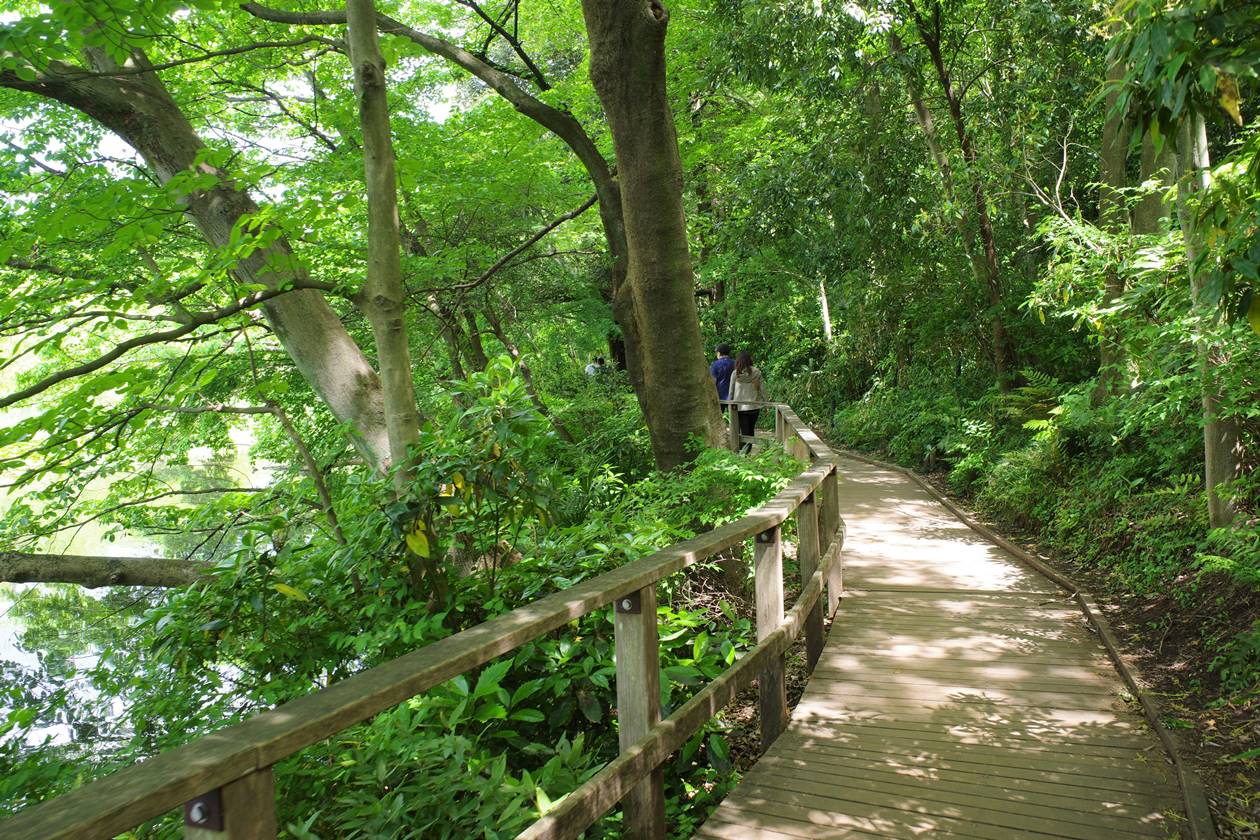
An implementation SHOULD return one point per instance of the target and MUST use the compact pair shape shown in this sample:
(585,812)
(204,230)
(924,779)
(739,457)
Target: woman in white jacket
(747,387)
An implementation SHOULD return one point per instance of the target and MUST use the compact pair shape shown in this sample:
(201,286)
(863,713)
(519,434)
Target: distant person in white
(596,367)
(747,388)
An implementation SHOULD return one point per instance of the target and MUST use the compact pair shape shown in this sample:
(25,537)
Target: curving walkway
(960,694)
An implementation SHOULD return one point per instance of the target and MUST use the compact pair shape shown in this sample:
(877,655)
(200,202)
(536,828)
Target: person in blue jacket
(721,370)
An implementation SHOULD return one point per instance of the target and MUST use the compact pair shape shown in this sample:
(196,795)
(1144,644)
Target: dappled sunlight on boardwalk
(898,536)
(959,695)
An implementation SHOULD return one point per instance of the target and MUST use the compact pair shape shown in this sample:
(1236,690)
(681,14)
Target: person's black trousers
(748,425)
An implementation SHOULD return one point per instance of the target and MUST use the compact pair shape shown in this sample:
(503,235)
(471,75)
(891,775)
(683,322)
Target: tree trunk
(1114,219)
(1003,353)
(968,227)
(825,306)
(383,299)
(1221,440)
(446,328)
(627,42)
(1151,213)
(138,108)
(476,351)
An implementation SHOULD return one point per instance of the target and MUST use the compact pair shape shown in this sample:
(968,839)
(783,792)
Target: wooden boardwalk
(960,694)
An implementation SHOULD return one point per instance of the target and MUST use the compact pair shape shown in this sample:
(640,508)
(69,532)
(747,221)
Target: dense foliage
(1013,243)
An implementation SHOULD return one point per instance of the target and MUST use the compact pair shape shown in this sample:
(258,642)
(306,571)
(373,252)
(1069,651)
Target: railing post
(780,425)
(807,554)
(639,706)
(241,810)
(733,428)
(832,530)
(771,683)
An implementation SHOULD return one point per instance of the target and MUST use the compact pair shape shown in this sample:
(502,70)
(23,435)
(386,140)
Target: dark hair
(724,349)
(743,363)
(599,360)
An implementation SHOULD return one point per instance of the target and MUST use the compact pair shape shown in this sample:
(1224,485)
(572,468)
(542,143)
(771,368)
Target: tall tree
(383,298)
(1113,217)
(1221,441)
(931,30)
(651,357)
(627,42)
(1173,89)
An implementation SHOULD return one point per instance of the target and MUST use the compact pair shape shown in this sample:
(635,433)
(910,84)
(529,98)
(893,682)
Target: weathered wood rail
(224,780)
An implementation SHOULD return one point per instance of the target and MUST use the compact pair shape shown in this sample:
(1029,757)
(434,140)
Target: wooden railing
(224,780)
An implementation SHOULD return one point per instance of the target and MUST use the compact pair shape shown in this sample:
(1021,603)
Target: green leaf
(489,679)
(684,675)
(290,591)
(719,753)
(528,716)
(418,540)
(591,708)
(700,645)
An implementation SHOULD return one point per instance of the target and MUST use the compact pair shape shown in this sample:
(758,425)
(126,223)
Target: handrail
(224,779)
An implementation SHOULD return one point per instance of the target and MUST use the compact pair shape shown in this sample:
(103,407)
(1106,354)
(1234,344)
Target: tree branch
(278,101)
(145,67)
(506,258)
(511,39)
(94,571)
(558,122)
(142,340)
(165,494)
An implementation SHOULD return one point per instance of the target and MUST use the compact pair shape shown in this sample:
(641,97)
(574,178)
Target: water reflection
(51,635)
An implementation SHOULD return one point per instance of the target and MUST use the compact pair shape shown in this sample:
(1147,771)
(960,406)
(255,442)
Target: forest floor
(1219,738)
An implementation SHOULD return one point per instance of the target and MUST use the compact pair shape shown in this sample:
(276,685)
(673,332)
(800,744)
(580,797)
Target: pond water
(93,538)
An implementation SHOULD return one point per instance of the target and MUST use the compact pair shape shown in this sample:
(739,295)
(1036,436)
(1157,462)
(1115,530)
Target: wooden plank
(768,588)
(1071,726)
(912,612)
(1135,740)
(808,555)
(1017,767)
(1033,679)
(1074,798)
(843,656)
(988,654)
(1031,618)
(1008,817)
(964,601)
(863,692)
(831,535)
(1080,798)
(1134,765)
(966,598)
(826,823)
(720,827)
(1027,639)
(248,810)
(639,706)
